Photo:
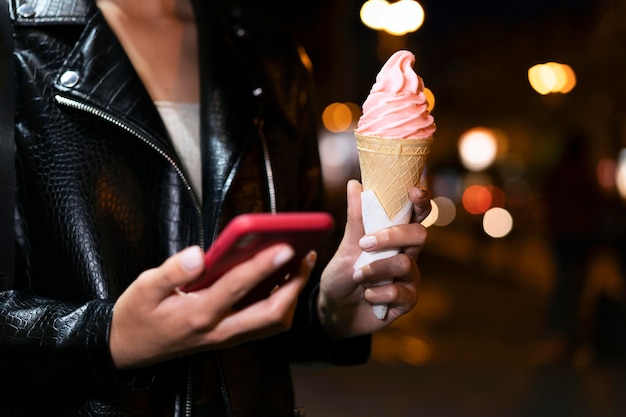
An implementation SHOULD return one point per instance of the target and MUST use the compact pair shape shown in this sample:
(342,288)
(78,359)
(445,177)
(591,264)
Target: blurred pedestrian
(573,202)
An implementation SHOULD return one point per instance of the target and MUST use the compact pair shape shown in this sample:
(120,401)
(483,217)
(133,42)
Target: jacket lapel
(99,83)
(229,112)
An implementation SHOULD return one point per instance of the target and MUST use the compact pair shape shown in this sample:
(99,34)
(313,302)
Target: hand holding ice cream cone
(394,136)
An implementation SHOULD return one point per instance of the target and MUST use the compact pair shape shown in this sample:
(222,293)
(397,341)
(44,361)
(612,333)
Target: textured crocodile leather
(101,197)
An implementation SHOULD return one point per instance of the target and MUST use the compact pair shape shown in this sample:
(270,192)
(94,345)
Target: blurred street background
(470,349)
(518,221)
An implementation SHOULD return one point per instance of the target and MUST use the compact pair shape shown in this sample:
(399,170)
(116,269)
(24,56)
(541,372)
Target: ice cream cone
(389,167)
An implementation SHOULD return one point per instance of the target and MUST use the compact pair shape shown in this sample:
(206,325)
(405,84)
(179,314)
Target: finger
(399,267)
(177,270)
(268,316)
(240,280)
(354,224)
(396,296)
(285,297)
(421,203)
(397,236)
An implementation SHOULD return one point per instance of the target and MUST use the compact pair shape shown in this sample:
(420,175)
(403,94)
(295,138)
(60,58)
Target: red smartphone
(247,234)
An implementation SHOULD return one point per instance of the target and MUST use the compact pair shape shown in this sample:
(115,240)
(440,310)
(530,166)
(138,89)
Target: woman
(142,127)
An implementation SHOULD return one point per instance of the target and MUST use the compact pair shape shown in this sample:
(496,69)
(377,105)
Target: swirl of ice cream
(396,106)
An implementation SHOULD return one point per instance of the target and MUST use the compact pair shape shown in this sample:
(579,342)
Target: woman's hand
(154,321)
(346,296)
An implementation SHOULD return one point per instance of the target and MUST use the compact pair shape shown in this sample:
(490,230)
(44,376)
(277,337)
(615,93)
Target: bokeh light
(446,211)
(497,222)
(373,13)
(340,117)
(478,148)
(403,17)
(430,98)
(621,173)
(477,199)
(443,212)
(432,216)
(398,18)
(552,77)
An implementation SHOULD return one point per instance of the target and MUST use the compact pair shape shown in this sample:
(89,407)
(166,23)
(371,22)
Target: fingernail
(283,256)
(367,242)
(311,259)
(191,258)
(358,275)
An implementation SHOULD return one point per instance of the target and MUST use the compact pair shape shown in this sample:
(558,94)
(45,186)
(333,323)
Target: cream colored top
(183,124)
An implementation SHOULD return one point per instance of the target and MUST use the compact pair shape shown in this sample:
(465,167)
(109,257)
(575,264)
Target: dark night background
(472,347)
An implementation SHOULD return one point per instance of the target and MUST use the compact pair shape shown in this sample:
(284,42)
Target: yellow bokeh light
(403,17)
(338,117)
(397,18)
(446,211)
(442,213)
(551,77)
(433,215)
(304,57)
(372,13)
(570,81)
(540,79)
(355,109)
(430,97)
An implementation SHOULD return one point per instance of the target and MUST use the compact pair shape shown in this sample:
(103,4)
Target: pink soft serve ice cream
(393,137)
(396,107)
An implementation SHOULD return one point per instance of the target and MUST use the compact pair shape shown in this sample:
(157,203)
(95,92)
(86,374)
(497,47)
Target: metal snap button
(26,10)
(69,79)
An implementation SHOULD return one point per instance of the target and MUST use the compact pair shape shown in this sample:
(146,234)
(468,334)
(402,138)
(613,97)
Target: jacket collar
(98,74)
(106,80)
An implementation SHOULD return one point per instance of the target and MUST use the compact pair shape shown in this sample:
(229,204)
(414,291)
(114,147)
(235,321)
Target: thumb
(177,270)
(354,225)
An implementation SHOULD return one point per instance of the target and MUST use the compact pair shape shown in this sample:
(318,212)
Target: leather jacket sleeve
(43,339)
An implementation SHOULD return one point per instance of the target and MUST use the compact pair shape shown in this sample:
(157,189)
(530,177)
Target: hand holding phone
(247,234)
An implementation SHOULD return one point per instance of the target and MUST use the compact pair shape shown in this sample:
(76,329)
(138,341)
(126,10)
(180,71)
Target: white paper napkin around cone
(389,168)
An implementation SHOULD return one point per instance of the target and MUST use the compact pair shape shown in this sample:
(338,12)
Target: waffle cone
(389,167)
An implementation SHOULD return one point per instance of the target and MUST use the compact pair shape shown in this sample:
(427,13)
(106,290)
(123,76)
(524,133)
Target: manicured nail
(283,256)
(191,258)
(367,242)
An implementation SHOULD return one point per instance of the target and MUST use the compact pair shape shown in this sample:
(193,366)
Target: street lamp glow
(478,148)
(551,77)
(397,18)
(372,13)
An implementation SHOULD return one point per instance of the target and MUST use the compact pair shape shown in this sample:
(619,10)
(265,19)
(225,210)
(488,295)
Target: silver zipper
(269,172)
(99,113)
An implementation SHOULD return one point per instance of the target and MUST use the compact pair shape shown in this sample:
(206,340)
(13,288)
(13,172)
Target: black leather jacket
(102,196)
